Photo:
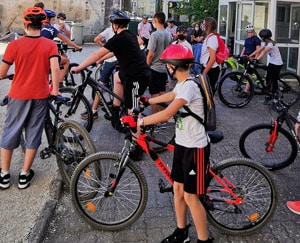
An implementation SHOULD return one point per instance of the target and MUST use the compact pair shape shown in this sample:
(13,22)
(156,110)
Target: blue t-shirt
(49,31)
(250,44)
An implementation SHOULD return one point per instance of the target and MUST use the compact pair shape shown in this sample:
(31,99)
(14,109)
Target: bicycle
(233,84)
(270,144)
(69,141)
(79,104)
(109,190)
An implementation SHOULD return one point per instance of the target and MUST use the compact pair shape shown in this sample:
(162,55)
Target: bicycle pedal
(107,116)
(45,153)
(163,188)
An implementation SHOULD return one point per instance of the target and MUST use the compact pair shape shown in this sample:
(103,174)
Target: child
(251,49)
(134,73)
(33,57)
(192,147)
(275,62)
(197,41)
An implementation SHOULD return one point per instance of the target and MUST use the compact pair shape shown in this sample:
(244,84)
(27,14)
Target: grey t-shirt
(158,42)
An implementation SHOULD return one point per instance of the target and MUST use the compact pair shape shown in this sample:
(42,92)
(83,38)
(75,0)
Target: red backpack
(222,53)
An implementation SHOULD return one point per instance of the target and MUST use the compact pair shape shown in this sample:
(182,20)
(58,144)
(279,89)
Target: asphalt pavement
(44,212)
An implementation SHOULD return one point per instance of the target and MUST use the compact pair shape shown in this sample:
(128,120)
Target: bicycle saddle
(215,136)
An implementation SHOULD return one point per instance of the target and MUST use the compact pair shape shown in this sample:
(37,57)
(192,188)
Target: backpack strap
(188,110)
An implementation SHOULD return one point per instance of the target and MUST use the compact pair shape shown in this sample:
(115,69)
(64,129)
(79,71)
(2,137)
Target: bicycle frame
(144,141)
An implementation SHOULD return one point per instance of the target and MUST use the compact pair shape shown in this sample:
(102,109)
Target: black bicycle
(110,191)
(236,89)
(79,104)
(271,144)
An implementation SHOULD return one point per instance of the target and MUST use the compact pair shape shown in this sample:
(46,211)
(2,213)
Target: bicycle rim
(290,84)
(253,144)
(101,210)
(80,109)
(72,145)
(231,87)
(252,183)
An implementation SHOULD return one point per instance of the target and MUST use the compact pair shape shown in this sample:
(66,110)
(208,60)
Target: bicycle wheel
(249,181)
(253,144)
(290,84)
(99,208)
(73,79)
(231,88)
(72,145)
(76,108)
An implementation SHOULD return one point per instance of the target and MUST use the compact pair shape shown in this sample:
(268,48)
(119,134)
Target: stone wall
(93,14)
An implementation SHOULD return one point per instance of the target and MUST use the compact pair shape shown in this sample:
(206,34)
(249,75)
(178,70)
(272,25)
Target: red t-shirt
(31,56)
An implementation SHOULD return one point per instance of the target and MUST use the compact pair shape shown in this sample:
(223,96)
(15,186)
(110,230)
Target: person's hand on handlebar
(144,100)
(75,70)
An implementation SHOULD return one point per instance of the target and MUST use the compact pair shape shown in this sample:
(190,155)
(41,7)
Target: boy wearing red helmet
(191,153)
(33,57)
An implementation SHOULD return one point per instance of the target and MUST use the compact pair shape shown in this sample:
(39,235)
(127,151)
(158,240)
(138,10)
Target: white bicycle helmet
(249,27)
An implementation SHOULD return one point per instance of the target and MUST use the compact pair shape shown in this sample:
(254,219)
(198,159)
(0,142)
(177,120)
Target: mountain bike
(79,104)
(67,140)
(110,191)
(270,144)
(232,86)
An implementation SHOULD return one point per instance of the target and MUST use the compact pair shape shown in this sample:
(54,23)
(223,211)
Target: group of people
(167,56)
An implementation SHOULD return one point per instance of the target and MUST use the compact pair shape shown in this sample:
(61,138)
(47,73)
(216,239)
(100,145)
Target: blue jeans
(197,49)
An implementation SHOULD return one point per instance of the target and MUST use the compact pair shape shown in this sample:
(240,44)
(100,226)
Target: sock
(209,240)
(24,173)
(94,111)
(4,173)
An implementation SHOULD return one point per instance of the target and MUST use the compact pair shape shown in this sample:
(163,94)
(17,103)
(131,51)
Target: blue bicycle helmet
(50,13)
(119,17)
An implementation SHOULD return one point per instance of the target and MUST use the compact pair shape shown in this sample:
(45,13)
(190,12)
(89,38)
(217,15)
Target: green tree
(196,10)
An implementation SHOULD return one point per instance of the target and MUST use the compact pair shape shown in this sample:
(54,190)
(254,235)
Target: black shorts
(158,82)
(132,88)
(190,168)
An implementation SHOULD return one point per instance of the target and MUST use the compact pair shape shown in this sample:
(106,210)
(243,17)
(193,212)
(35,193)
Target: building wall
(92,13)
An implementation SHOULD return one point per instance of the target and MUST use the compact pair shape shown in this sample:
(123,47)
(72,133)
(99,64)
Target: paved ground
(44,212)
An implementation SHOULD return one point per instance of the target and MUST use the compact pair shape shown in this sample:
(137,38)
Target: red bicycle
(110,191)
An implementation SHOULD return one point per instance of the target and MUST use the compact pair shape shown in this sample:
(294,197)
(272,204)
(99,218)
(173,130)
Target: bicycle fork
(272,138)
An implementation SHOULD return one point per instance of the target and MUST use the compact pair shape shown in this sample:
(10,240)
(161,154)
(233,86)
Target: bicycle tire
(72,145)
(80,104)
(73,79)
(290,83)
(253,141)
(254,184)
(91,200)
(231,86)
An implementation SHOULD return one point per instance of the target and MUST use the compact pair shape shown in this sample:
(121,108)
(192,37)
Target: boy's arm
(68,41)
(55,73)
(4,69)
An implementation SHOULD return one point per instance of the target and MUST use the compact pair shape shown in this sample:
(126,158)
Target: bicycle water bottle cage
(273,137)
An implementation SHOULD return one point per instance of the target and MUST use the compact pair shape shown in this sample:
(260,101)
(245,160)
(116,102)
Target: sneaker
(137,153)
(294,206)
(178,236)
(25,180)
(267,100)
(84,115)
(4,181)
(243,95)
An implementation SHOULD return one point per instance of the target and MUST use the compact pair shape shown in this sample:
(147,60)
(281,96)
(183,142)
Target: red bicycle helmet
(34,16)
(177,55)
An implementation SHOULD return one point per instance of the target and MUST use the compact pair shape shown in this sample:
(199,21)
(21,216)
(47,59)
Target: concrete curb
(38,232)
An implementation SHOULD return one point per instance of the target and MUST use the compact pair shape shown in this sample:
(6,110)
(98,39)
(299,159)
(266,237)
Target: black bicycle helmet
(61,15)
(34,16)
(177,55)
(265,34)
(119,17)
(50,13)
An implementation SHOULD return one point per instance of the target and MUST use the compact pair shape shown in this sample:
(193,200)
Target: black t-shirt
(130,57)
